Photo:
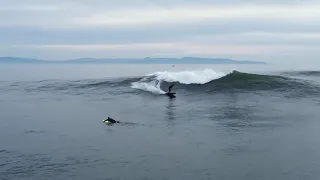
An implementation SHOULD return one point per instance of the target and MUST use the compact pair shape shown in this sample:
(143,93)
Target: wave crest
(188,77)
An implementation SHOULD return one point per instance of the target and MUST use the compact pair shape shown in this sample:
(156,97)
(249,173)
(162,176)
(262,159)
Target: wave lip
(188,77)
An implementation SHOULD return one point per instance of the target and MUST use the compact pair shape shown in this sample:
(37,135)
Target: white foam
(189,77)
(153,87)
(183,77)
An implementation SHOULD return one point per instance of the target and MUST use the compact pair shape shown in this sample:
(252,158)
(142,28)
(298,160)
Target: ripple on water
(15,165)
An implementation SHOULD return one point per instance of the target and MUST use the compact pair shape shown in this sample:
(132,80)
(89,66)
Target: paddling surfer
(110,120)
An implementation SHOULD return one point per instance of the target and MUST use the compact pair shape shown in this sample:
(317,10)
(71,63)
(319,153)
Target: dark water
(223,124)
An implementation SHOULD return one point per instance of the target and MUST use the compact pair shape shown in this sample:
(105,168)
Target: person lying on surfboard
(169,89)
(110,120)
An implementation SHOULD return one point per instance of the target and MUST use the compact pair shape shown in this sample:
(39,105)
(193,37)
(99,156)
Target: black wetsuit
(112,120)
(170,88)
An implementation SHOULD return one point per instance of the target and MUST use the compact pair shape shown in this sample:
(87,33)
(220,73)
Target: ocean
(244,122)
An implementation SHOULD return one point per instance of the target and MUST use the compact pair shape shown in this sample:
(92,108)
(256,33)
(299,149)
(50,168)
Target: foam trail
(153,86)
(189,77)
(152,82)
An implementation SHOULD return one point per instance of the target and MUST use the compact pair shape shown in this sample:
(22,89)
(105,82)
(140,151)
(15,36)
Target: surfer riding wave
(169,93)
(170,87)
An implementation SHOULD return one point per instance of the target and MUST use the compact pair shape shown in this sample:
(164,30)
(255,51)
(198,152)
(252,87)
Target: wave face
(207,79)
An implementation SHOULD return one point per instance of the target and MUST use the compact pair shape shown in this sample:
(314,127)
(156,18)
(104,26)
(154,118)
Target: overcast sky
(263,30)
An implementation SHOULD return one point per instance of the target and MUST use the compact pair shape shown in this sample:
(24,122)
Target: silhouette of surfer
(170,87)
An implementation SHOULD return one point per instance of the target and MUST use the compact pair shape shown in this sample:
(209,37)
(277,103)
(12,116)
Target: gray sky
(264,30)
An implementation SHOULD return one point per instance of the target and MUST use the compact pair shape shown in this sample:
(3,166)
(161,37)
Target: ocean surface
(227,122)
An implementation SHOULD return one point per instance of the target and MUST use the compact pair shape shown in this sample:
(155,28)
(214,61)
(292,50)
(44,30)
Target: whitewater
(152,82)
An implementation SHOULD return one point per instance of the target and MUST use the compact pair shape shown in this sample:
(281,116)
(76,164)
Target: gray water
(259,123)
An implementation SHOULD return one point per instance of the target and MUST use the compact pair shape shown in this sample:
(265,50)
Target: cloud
(169,16)
(160,27)
(108,14)
(162,49)
(218,33)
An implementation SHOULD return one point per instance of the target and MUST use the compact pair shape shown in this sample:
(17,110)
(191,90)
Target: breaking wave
(210,81)
(152,82)
(186,82)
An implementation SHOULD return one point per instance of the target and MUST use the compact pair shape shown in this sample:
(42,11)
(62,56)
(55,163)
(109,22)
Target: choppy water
(241,122)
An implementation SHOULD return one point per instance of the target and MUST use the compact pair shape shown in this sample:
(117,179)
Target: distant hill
(18,60)
(148,60)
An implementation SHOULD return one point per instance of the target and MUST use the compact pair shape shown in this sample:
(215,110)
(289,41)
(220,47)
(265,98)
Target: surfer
(110,120)
(169,89)
(169,93)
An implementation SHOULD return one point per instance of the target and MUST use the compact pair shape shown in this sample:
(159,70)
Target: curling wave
(186,82)
(209,81)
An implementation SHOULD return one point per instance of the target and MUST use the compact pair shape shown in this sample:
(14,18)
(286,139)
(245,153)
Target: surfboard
(171,94)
